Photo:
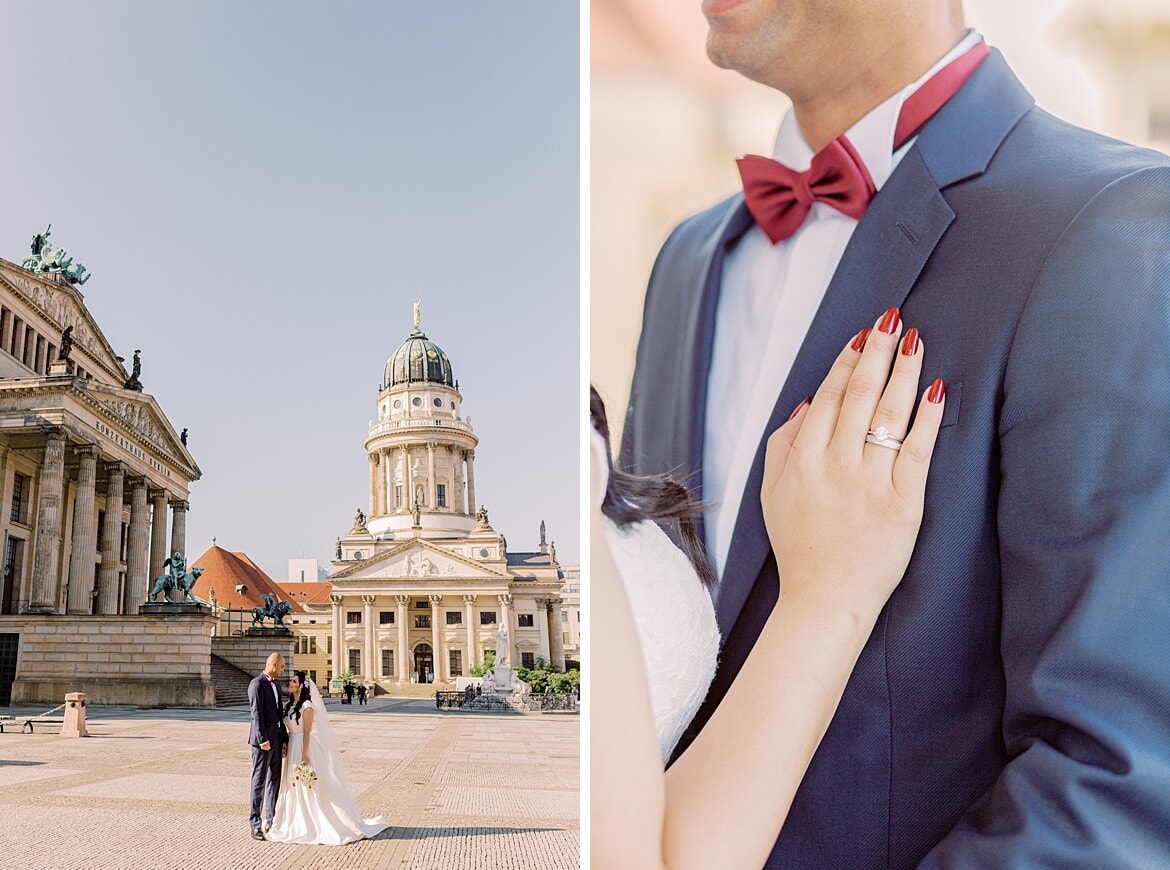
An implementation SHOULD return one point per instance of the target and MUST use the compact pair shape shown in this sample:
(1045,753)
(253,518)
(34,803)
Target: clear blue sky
(261,190)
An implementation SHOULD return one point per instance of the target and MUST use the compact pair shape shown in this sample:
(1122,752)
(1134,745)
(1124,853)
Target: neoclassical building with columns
(422,583)
(93,497)
(92,474)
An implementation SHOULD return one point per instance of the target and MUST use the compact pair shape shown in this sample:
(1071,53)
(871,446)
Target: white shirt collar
(873,135)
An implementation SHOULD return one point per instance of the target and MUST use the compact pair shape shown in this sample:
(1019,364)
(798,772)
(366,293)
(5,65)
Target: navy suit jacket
(267,722)
(1012,707)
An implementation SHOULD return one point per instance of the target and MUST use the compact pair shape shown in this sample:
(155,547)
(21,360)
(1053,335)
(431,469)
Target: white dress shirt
(770,294)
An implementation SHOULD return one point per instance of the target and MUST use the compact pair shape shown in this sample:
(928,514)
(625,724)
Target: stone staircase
(231,683)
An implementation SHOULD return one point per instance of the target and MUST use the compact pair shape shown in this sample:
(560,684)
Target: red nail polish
(890,320)
(796,410)
(936,392)
(910,343)
(859,342)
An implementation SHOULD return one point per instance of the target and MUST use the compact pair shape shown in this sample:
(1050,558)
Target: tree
(489,662)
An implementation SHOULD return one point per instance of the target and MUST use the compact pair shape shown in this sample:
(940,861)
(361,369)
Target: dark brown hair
(293,708)
(632,498)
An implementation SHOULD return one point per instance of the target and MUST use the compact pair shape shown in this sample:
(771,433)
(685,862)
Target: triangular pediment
(57,305)
(140,413)
(418,559)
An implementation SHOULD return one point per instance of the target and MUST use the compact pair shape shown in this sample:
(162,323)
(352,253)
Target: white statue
(501,646)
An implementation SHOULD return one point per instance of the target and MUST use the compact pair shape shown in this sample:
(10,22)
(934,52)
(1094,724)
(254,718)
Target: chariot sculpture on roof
(46,258)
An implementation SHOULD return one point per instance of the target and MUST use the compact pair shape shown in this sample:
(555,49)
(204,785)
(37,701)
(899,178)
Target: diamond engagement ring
(882,438)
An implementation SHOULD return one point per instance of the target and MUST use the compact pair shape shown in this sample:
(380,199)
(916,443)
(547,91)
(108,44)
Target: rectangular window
(441,494)
(329,647)
(422,605)
(528,659)
(487,617)
(564,616)
(19,498)
(387,662)
(353,617)
(313,676)
(355,660)
(578,617)
(422,622)
(313,647)
(456,662)
(524,620)
(398,497)
(13,569)
(385,617)
(329,675)
(454,617)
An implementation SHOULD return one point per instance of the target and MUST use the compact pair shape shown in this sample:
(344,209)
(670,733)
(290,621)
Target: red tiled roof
(224,571)
(307,593)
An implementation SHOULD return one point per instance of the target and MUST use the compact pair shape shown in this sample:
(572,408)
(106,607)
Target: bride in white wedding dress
(325,813)
(842,516)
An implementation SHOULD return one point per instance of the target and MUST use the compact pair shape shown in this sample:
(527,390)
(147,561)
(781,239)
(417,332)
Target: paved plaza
(169,788)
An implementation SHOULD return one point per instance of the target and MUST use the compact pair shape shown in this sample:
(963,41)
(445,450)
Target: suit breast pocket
(954,400)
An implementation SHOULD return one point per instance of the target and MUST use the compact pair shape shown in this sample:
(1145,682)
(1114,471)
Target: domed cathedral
(422,582)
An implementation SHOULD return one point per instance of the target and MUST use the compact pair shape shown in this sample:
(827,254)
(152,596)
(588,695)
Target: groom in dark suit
(1012,707)
(267,737)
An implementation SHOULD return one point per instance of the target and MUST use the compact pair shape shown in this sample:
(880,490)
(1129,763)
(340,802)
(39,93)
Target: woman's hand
(843,514)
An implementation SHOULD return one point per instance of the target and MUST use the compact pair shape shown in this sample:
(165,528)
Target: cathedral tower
(421,451)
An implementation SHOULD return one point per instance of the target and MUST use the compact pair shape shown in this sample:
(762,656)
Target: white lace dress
(676,624)
(325,814)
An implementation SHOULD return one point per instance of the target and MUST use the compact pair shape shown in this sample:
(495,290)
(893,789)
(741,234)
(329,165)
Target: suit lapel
(698,342)
(885,256)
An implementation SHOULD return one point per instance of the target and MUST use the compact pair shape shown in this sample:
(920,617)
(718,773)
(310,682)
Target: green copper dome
(419,360)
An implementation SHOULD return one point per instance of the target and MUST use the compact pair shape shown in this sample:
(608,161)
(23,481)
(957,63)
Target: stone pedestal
(277,632)
(74,725)
(172,608)
(503,677)
(158,658)
(61,368)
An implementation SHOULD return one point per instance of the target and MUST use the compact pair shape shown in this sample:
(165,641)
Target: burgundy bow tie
(780,198)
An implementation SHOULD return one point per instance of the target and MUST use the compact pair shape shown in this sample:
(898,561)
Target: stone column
(436,636)
(46,580)
(470,482)
(432,486)
(460,503)
(545,651)
(368,653)
(505,600)
(468,615)
(158,538)
(409,499)
(107,600)
(388,481)
(84,534)
(338,662)
(556,641)
(138,555)
(377,489)
(179,527)
(402,666)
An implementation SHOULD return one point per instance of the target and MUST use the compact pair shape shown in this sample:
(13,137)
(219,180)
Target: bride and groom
(300,792)
(960,671)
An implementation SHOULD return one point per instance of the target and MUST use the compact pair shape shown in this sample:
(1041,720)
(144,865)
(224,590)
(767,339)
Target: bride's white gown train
(327,813)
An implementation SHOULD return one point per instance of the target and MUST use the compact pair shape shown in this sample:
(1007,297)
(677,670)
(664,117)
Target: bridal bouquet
(304,775)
